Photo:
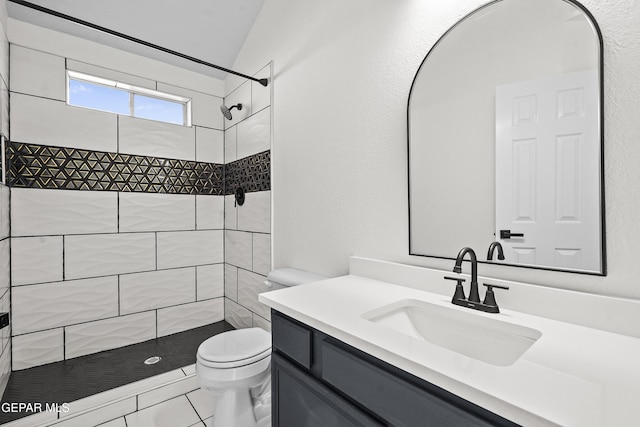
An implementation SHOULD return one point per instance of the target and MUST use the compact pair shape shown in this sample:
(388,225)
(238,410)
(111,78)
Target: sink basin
(464,331)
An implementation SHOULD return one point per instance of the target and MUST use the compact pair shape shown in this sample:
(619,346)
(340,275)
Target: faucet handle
(459,294)
(489,296)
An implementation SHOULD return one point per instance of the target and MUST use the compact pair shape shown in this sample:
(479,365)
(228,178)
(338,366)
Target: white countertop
(571,376)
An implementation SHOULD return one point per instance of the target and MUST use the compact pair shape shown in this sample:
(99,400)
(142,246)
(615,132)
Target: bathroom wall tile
(5,307)
(37,349)
(237,245)
(107,73)
(47,212)
(262,253)
(238,316)
(188,316)
(241,95)
(156,212)
(5,266)
(205,108)
(210,280)
(4,109)
(252,173)
(48,122)
(230,213)
(36,260)
(249,286)
(189,248)
(105,254)
(92,337)
(260,322)
(176,412)
(152,138)
(173,389)
(103,171)
(230,144)
(101,415)
(261,95)
(254,134)
(37,73)
(201,247)
(255,214)
(5,368)
(5,211)
(209,212)
(155,289)
(231,282)
(50,305)
(209,145)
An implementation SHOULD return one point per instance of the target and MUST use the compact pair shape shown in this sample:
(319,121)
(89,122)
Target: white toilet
(235,366)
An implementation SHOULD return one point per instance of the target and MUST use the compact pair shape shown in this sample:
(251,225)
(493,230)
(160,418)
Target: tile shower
(124,229)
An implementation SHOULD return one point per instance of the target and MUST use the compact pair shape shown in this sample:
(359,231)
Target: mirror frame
(603,252)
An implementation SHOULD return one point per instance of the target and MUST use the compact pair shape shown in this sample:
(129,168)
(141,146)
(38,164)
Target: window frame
(132,90)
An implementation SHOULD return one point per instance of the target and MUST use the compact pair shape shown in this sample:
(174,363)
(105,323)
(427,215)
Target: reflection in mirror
(505,138)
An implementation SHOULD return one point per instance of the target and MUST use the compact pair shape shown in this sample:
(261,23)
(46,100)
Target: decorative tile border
(253,173)
(43,166)
(40,166)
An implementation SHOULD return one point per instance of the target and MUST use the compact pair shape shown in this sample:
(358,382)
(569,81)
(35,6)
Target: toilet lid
(239,347)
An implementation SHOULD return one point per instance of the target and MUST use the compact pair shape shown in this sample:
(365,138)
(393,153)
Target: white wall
(342,73)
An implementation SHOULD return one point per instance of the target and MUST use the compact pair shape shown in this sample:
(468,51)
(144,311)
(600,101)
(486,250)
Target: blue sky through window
(158,109)
(126,100)
(98,97)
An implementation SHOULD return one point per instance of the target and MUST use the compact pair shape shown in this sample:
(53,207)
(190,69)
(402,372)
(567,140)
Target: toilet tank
(285,277)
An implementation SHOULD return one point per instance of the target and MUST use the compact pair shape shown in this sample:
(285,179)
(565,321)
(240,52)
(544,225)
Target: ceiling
(210,30)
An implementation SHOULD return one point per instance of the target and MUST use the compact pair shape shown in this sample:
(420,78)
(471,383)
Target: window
(121,98)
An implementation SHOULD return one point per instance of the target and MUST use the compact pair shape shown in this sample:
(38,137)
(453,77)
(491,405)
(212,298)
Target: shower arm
(263,82)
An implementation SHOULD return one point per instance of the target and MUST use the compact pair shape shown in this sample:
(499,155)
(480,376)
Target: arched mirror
(505,138)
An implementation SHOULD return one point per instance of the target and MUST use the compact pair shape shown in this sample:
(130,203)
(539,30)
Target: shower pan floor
(73,379)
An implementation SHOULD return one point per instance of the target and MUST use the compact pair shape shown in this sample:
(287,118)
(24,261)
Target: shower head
(226,111)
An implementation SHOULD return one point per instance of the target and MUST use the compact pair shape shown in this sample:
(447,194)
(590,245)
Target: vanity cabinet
(319,381)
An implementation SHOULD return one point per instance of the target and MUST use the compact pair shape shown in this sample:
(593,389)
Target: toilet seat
(235,348)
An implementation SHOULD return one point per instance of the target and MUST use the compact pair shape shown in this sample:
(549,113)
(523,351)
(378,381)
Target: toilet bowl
(230,365)
(234,366)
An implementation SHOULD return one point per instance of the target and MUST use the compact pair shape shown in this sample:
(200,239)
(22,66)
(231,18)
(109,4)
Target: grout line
(195,212)
(156,249)
(119,297)
(63,259)
(194,408)
(118,212)
(118,233)
(120,274)
(119,317)
(117,133)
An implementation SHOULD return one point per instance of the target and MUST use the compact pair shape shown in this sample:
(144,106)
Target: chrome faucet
(489,304)
(473,291)
(493,246)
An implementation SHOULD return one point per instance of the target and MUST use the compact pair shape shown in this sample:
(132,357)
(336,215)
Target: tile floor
(172,399)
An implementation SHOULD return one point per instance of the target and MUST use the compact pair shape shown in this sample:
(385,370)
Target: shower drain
(152,360)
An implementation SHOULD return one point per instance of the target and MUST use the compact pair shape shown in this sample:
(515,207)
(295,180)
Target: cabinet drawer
(300,400)
(292,339)
(396,400)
